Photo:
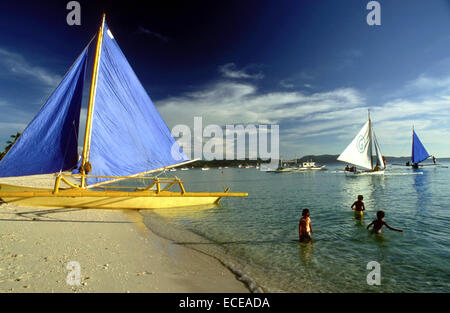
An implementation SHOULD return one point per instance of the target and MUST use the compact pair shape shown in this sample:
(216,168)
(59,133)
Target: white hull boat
(310,166)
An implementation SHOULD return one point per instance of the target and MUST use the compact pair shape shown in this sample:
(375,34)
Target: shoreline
(115,250)
(158,222)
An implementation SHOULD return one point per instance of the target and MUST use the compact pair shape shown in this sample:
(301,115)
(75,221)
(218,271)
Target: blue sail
(419,153)
(128,135)
(49,143)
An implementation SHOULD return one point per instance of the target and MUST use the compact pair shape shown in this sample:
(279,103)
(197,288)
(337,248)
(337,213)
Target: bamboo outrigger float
(124,135)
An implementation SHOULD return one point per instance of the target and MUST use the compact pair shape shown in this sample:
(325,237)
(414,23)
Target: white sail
(359,150)
(380,161)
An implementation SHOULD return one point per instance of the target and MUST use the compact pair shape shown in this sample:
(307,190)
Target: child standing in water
(304,227)
(379,223)
(358,206)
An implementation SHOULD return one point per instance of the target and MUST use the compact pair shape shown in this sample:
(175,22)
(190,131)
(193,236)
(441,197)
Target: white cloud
(286,84)
(229,70)
(239,103)
(16,65)
(12,127)
(425,82)
(148,32)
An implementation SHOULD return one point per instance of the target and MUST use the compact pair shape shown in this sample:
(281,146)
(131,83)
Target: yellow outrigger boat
(125,138)
(140,199)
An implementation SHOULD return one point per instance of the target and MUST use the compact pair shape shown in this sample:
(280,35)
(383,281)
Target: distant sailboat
(359,153)
(125,137)
(419,153)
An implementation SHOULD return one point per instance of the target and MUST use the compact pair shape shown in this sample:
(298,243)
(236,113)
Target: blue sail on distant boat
(419,153)
(125,137)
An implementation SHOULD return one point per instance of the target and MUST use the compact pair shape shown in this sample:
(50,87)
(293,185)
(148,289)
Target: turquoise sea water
(255,236)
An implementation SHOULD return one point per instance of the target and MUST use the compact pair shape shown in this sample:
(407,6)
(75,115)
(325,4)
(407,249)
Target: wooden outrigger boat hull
(80,198)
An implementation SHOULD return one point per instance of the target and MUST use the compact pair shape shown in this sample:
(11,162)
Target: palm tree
(9,144)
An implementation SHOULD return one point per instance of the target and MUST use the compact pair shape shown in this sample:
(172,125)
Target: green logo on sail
(361,144)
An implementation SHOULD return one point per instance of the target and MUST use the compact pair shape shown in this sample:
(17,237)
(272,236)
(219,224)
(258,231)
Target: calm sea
(255,236)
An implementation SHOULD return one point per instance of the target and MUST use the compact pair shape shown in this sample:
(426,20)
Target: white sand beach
(116,252)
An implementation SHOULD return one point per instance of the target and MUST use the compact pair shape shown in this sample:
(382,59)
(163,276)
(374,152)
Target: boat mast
(370,140)
(412,145)
(87,134)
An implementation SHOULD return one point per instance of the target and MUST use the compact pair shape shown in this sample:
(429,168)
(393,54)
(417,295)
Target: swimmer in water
(379,223)
(358,206)
(304,227)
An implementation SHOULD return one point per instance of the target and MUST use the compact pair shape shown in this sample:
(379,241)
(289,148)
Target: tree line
(9,144)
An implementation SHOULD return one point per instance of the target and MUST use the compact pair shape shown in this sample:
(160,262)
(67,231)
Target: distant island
(331,158)
(321,159)
(227,163)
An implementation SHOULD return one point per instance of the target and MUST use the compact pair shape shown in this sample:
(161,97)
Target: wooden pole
(87,134)
(370,140)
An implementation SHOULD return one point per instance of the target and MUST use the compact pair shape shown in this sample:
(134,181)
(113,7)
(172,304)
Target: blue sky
(313,67)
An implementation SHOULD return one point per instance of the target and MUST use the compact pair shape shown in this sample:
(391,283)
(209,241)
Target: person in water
(379,223)
(304,227)
(358,206)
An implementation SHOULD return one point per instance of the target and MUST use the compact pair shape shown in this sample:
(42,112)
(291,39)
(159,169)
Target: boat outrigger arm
(125,138)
